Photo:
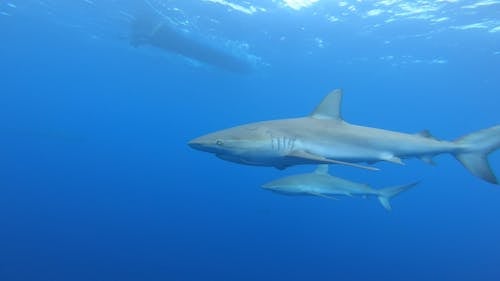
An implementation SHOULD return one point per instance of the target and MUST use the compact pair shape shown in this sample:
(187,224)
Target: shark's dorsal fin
(329,108)
(322,169)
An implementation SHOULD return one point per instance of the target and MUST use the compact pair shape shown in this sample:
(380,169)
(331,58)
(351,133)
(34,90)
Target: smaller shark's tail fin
(474,154)
(386,194)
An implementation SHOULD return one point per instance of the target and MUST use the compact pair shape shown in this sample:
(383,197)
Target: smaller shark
(320,183)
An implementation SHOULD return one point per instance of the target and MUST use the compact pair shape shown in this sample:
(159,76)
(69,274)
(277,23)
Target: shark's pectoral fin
(320,159)
(322,195)
(307,156)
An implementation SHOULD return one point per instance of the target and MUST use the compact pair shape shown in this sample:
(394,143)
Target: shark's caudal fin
(386,194)
(474,154)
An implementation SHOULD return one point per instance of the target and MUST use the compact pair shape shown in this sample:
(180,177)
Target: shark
(320,183)
(324,137)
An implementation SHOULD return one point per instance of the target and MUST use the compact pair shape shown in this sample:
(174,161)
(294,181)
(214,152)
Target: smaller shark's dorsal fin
(329,108)
(322,169)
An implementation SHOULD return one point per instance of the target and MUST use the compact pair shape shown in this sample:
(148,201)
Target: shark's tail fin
(475,150)
(386,194)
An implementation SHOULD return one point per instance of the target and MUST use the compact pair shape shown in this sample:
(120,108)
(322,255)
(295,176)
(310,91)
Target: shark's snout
(266,186)
(205,143)
(198,144)
(269,186)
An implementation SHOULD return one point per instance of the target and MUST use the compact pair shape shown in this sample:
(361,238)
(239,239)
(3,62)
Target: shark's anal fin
(320,159)
(322,195)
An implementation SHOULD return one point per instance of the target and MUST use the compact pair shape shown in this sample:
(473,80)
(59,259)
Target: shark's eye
(219,142)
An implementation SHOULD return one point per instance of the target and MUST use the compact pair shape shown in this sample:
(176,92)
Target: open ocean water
(98,99)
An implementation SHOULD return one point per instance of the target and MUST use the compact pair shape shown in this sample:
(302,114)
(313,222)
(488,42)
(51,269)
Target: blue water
(97,182)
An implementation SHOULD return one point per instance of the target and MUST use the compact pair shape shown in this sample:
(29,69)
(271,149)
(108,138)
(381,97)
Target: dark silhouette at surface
(165,37)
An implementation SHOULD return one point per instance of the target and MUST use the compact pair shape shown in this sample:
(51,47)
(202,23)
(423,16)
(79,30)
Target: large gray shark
(324,137)
(320,183)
